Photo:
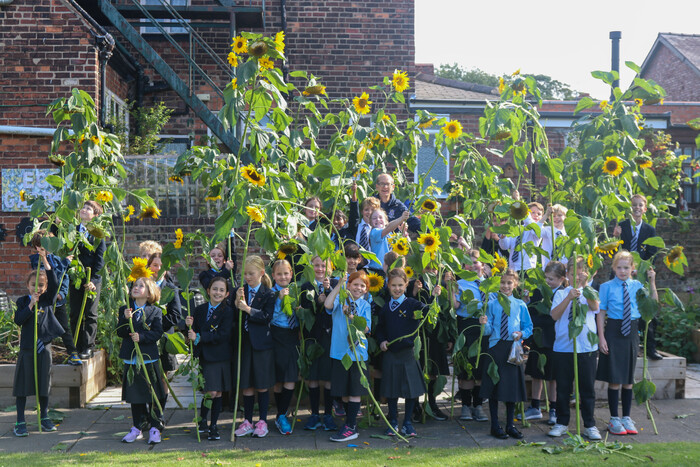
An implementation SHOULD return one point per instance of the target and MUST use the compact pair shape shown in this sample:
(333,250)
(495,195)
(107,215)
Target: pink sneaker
(133,435)
(244,429)
(260,429)
(154,436)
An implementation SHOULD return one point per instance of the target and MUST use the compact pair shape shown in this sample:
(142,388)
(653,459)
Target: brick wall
(676,77)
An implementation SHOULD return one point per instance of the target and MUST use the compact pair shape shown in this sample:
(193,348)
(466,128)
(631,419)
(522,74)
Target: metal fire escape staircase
(131,15)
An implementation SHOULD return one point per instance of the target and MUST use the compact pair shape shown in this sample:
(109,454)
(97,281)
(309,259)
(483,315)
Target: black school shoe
(497,432)
(214,433)
(514,432)
(203,426)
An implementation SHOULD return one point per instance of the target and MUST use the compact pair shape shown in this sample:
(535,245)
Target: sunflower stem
(36,342)
(76,331)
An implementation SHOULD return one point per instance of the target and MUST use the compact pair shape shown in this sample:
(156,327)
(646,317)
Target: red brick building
(674,63)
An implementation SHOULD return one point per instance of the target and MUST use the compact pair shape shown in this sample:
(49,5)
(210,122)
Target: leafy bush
(676,323)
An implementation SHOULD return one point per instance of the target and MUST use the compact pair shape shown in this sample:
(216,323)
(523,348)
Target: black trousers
(67,337)
(88,329)
(564,374)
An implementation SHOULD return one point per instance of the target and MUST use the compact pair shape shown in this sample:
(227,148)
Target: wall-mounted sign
(32,181)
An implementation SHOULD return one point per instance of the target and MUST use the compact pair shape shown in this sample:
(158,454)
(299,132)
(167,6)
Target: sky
(564,39)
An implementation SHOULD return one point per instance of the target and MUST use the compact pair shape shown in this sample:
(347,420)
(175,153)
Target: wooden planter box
(71,386)
(696,340)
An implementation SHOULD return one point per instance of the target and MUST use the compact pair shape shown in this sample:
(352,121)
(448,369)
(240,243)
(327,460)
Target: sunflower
(638,102)
(178,238)
(500,264)
(104,197)
(453,129)
(239,45)
(95,231)
(673,256)
(609,248)
(603,105)
(646,164)
(612,166)
(23,195)
(401,247)
(376,282)
(234,83)
(279,42)
(519,210)
(258,49)
(252,175)
(409,272)
(232,59)
(427,123)
(316,90)
(131,211)
(429,205)
(139,269)
(362,103)
(501,85)
(95,140)
(58,161)
(430,241)
(400,80)
(286,249)
(265,63)
(81,139)
(361,153)
(177,179)
(212,197)
(255,214)
(349,131)
(149,212)
(589,261)
(360,171)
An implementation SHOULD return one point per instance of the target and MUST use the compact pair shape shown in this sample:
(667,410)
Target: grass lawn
(672,454)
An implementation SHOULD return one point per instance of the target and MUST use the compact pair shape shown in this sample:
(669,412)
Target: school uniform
(347,382)
(285,335)
(95,261)
(60,267)
(257,346)
(549,244)
(376,359)
(511,386)
(349,230)
(563,357)
(205,278)
(379,245)
(492,247)
(542,340)
(394,208)
(213,325)
(468,324)
(401,374)
(437,353)
(48,328)
(518,260)
(320,368)
(172,315)
(617,367)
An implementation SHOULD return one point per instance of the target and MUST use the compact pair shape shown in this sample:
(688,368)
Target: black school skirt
(24,373)
(257,367)
(532,367)
(472,329)
(347,383)
(137,390)
(437,355)
(618,366)
(217,375)
(401,375)
(511,385)
(320,369)
(286,343)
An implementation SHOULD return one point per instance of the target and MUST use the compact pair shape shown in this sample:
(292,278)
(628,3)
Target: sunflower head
(265,63)
(501,85)
(95,231)
(502,132)
(376,282)
(673,256)
(429,205)
(452,129)
(409,272)
(56,160)
(638,102)
(612,166)
(519,210)
(139,269)
(179,237)
(104,196)
(609,248)
(427,123)
(251,174)
(23,195)
(177,179)
(286,249)
(500,264)
(255,214)
(644,162)
(430,241)
(400,80)
(258,49)
(232,59)
(279,42)
(316,90)
(239,45)
(361,153)
(401,246)
(362,103)
(149,212)
(589,261)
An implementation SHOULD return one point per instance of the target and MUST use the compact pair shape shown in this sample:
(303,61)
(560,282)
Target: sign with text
(34,184)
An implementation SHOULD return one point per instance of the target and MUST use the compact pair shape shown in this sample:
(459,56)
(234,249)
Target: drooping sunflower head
(429,205)
(239,45)
(179,237)
(286,249)
(401,246)
(409,272)
(608,248)
(57,160)
(258,49)
(265,63)
(316,90)
(177,179)
(95,231)
(251,174)
(519,210)
(149,212)
(673,256)
(104,196)
(255,214)
(130,212)
(376,282)
(644,162)
(430,241)
(589,261)
(500,264)
(427,123)
(139,269)
(612,166)
(362,103)
(452,129)
(400,80)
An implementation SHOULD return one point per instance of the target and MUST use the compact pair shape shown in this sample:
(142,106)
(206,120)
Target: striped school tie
(210,312)
(635,238)
(626,311)
(251,296)
(364,238)
(516,254)
(39,346)
(504,326)
(137,314)
(555,256)
(482,295)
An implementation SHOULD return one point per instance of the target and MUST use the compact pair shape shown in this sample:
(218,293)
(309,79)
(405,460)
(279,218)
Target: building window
(431,164)
(691,192)
(117,113)
(168,29)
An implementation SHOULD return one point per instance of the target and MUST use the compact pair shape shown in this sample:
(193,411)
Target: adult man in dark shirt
(392,206)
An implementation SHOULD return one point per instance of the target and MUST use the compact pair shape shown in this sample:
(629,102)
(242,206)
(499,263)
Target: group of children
(266,317)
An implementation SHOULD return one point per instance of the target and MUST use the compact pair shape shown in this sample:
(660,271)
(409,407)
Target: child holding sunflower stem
(381,228)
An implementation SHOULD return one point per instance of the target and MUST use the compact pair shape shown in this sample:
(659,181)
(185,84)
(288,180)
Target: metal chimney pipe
(615,66)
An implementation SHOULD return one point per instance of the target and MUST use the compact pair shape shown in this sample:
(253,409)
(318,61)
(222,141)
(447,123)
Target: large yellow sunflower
(139,269)
(252,175)
(673,256)
(179,237)
(255,214)
(376,282)
(430,241)
(265,63)
(609,248)
(409,272)
(500,264)
(104,196)
(279,42)
(239,45)
(400,80)
(429,205)
(400,246)
(612,166)
(362,103)
(232,59)
(149,212)
(453,129)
